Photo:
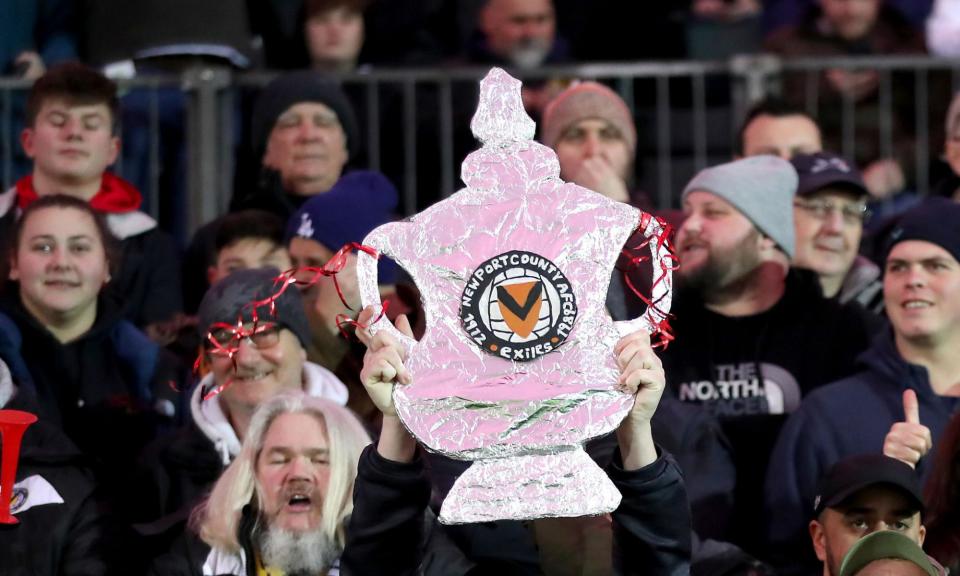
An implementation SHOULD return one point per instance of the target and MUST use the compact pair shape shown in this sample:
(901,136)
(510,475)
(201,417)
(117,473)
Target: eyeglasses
(262,336)
(822,209)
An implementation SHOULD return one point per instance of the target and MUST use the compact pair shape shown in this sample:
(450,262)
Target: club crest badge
(518,306)
(18,499)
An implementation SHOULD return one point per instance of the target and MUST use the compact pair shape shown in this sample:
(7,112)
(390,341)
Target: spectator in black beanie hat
(303,132)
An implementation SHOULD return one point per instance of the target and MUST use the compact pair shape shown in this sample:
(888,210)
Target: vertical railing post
(208,187)
(751,75)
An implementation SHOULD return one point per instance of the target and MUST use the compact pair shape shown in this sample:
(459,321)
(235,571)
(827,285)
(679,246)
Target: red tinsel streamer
(282,282)
(663,334)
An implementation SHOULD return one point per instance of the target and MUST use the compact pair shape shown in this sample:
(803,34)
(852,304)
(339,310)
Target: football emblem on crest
(518,306)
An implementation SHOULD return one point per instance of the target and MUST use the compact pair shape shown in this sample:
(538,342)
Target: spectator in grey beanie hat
(231,298)
(359,202)
(293,88)
(762,188)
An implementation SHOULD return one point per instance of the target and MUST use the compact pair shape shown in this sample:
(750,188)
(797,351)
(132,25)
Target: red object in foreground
(13,423)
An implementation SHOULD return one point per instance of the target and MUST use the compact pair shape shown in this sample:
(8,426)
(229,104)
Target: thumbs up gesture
(909,440)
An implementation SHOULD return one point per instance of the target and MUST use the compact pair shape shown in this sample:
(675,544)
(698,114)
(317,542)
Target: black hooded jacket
(102,389)
(387,534)
(52,539)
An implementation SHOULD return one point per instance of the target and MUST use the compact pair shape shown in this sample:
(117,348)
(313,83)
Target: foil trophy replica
(516,368)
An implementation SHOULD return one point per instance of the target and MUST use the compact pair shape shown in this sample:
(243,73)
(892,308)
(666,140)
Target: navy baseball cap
(824,169)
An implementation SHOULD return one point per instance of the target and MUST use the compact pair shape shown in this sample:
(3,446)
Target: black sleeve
(84,550)
(651,527)
(163,298)
(702,451)
(385,533)
(186,558)
(197,259)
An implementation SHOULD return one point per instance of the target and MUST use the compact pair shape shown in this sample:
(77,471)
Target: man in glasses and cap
(829,210)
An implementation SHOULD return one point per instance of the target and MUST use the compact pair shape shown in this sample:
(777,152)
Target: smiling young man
(910,373)
(281,507)
(71,118)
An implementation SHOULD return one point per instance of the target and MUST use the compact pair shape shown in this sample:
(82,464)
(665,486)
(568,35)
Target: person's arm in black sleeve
(385,534)
(694,439)
(651,527)
(392,490)
(84,547)
(163,300)
(652,524)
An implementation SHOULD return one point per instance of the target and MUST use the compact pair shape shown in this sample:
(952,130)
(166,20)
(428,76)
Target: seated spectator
(751,338)
(888,552)
(334,31)
(722,29)
(61,531)
(33,37)
(178,469)
(779,128)
(780,13)
(520,34)
(909,376)
(828,219)
(97,377)
(386,533)
(943,499)
(593,133)
(303,133)
(858,496)
(282,505)
(243,240)
(71,121)
(358,203)
(949,187)
(248,239)
(844,28)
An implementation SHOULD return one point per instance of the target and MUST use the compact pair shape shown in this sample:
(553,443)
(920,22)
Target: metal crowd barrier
(687,115)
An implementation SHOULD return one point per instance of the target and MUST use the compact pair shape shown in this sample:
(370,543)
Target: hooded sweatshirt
(102,388)
(147,282)
(177,470)
(848,417)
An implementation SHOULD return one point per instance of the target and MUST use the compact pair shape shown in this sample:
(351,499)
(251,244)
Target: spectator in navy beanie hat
(359,202)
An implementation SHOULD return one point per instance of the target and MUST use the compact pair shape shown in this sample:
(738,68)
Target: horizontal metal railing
(687,113)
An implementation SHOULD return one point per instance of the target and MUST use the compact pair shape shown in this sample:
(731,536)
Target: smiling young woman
(94,374)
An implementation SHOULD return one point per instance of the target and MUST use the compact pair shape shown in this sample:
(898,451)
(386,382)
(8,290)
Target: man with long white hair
(280,507)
